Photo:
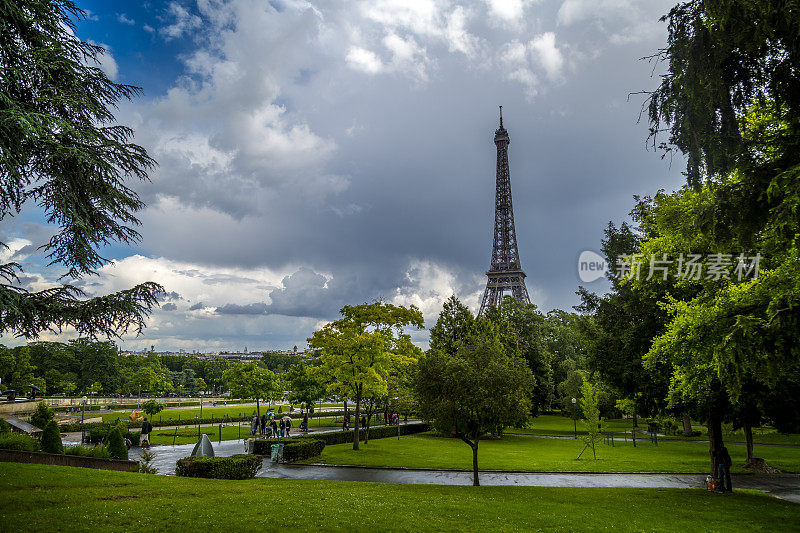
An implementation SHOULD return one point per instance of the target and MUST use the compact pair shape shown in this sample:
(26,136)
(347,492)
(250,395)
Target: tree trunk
(358,420)
(687,425)
(714,438)
(475,481)
(635,420)
(258,409)
(748,437)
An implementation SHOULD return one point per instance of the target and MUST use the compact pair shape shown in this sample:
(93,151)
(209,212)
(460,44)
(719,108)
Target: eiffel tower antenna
(505,273)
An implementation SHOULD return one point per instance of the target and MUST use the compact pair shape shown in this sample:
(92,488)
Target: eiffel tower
(505,273)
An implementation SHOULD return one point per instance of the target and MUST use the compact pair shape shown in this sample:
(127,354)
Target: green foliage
(18,441)
(152,407)
(61,149)
(116,444)
(100,452)
(477,390)
(42,415)
(306,386)
(252,381)
(278,362)
(146,463)
(362,349)
(591,414)
(5,427)
(51,438)
(294,449)
(234,467)
(455,323)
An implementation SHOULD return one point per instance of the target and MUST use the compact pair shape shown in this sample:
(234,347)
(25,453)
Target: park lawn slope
(52,498)
(514,452)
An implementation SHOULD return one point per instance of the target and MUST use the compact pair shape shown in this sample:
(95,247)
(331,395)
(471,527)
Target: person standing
(147,428)
(282,427)
(288,426)
(724,470)
(264,424)
(254,425)
(274,426)
(304,424)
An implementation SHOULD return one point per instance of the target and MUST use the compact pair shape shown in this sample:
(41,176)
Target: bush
(51,439)
(234,467)
(133,437)
(100,452)
(42,415)
(146,463)
(116,444)
(5,427)
(18,441)
(294,449)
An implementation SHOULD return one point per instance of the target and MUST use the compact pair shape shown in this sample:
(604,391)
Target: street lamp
(201,404)
(139,399)
(83,412)
(574,420)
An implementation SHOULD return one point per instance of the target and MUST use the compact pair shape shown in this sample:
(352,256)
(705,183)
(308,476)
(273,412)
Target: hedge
(88,451)
(19,441)
(294,449)
(233,467)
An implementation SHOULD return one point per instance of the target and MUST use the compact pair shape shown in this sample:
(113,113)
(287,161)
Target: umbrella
(285,418)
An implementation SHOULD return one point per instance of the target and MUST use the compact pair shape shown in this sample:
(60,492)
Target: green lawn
(532,453)
(559,425)
(219,411)
(45,498)
(188,434)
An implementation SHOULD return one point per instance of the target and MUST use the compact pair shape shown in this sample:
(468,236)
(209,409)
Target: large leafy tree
(252,381)
(61,149)
(476,390)
(305,385)
(730,102)
(360,351)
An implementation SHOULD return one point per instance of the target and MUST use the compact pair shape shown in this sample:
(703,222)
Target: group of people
(269,427)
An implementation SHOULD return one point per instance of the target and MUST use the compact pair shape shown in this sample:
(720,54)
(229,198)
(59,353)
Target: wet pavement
(783,486)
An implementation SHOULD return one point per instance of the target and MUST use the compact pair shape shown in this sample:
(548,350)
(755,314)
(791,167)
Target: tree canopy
(359,351)
(61,149)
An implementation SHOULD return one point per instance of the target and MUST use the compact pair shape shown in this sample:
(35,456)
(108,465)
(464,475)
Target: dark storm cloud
(169,307)
(236,309)
(195,307)
(169,297)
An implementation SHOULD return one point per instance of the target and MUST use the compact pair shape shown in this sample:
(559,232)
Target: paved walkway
(782,486)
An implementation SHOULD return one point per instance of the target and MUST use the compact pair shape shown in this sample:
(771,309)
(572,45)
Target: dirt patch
(760,466)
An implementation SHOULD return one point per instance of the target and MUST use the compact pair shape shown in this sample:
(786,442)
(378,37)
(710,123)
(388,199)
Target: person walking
(274,427)
(288,426)
(723,470)
(254,425)
(304,424)
(282,427)
(147,428)
(264,424)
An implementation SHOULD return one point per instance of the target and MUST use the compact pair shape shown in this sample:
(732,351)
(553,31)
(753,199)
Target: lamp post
(83,412)
(201,404)
(574,420)
(139,399)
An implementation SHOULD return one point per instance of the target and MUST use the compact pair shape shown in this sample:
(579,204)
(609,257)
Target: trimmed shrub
(294,449)
(116,444)
(234,467)
(51,439)
(88,451)
(5,427)
(42,415)
(133,437)
(19,441)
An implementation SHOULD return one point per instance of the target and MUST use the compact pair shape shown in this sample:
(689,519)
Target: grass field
(45,498)
(532,453)
(188,434)
(559,425)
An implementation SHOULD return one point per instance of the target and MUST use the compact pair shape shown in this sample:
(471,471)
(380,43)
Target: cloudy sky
(317,154)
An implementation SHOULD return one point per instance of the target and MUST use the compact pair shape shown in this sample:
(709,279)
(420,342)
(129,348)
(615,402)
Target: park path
(782,486)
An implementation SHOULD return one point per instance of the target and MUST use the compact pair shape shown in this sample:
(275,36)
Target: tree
(42,415)
(252,381)
(116,444)
(359,351)
(454,325)
(152,408)
(306,388)
(61,149)
(200,384)
(51,438)
(99,364)
(475,391)
(591,414)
